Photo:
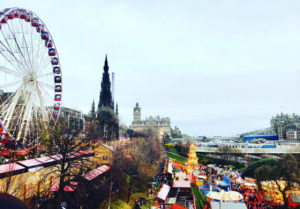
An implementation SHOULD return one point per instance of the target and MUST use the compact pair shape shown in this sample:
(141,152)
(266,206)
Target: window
(105,157)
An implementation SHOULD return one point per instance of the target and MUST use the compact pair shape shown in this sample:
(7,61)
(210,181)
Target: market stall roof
(93,174)
(104,168)
(45,159)
(163,192)
(70,188)
(10,167)
(86,153)
(170,167)
(57,157)
(180,175)
(96,172)
(181,184)
(30,163)
(228,205)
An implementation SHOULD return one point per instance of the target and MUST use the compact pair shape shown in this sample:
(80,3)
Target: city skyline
(213,73)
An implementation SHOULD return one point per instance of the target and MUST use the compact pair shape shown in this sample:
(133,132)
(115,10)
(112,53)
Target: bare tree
(72,166)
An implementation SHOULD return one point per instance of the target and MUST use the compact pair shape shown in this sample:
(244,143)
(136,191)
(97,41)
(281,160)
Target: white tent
(227,205)
(163,192)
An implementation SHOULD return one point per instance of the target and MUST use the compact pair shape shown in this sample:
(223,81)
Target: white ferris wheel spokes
(30,71)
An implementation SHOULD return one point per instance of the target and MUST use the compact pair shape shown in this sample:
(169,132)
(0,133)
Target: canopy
(225,196)
(163,192)
(239,180)
(71,188)
(96,172)
(10,169)
(228,205)
(30,163)
(170,167)
(248,184)
(209,186)
(181,184)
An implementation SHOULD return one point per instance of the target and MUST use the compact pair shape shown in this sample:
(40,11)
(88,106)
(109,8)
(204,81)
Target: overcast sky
(219,67)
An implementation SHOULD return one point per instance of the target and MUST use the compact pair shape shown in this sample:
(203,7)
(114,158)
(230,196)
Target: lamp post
(111,185)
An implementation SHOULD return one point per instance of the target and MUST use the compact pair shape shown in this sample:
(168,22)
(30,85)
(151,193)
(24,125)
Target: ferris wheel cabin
(45,35)
(4,20)
(48,43)
(16,13)
(54,61)
(57,79)
(57,97)
(40,29)
(56,106)
(35,22)
(52,52)
(58,88)
(23,14)
(10,15)
(28,18)
(56,70)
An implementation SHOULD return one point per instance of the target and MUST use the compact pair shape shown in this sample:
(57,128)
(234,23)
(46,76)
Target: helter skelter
(30,70)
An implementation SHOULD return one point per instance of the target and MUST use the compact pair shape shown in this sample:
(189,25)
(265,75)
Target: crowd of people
(252,198)
(160,178)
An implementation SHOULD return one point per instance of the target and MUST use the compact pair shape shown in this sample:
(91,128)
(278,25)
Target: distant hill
(266,131)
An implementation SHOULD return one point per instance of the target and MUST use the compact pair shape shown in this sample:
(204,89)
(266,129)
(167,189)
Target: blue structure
(270,137)
(206,188)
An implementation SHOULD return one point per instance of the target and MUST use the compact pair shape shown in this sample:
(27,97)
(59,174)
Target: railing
(170,206)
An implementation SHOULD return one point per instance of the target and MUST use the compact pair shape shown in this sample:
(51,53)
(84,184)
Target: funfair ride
(30,70)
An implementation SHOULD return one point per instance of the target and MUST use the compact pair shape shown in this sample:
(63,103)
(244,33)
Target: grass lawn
(120,204)
(172,149)
(199,196)
(176,157)
(117,203)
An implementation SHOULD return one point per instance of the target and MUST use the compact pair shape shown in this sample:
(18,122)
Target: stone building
(160,125)
(75,119)
(286,126)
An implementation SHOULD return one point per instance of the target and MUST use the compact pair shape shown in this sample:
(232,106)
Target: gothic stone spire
(105,93)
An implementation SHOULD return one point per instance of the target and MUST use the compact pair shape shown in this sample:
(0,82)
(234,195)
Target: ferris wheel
(30,75)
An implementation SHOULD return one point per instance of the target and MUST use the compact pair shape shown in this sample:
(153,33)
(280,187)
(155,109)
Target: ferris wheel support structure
(29,69)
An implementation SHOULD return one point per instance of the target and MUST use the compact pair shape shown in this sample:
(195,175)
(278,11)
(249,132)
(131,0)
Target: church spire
(93,110)
(117,109)
(105,94)
(106,68)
